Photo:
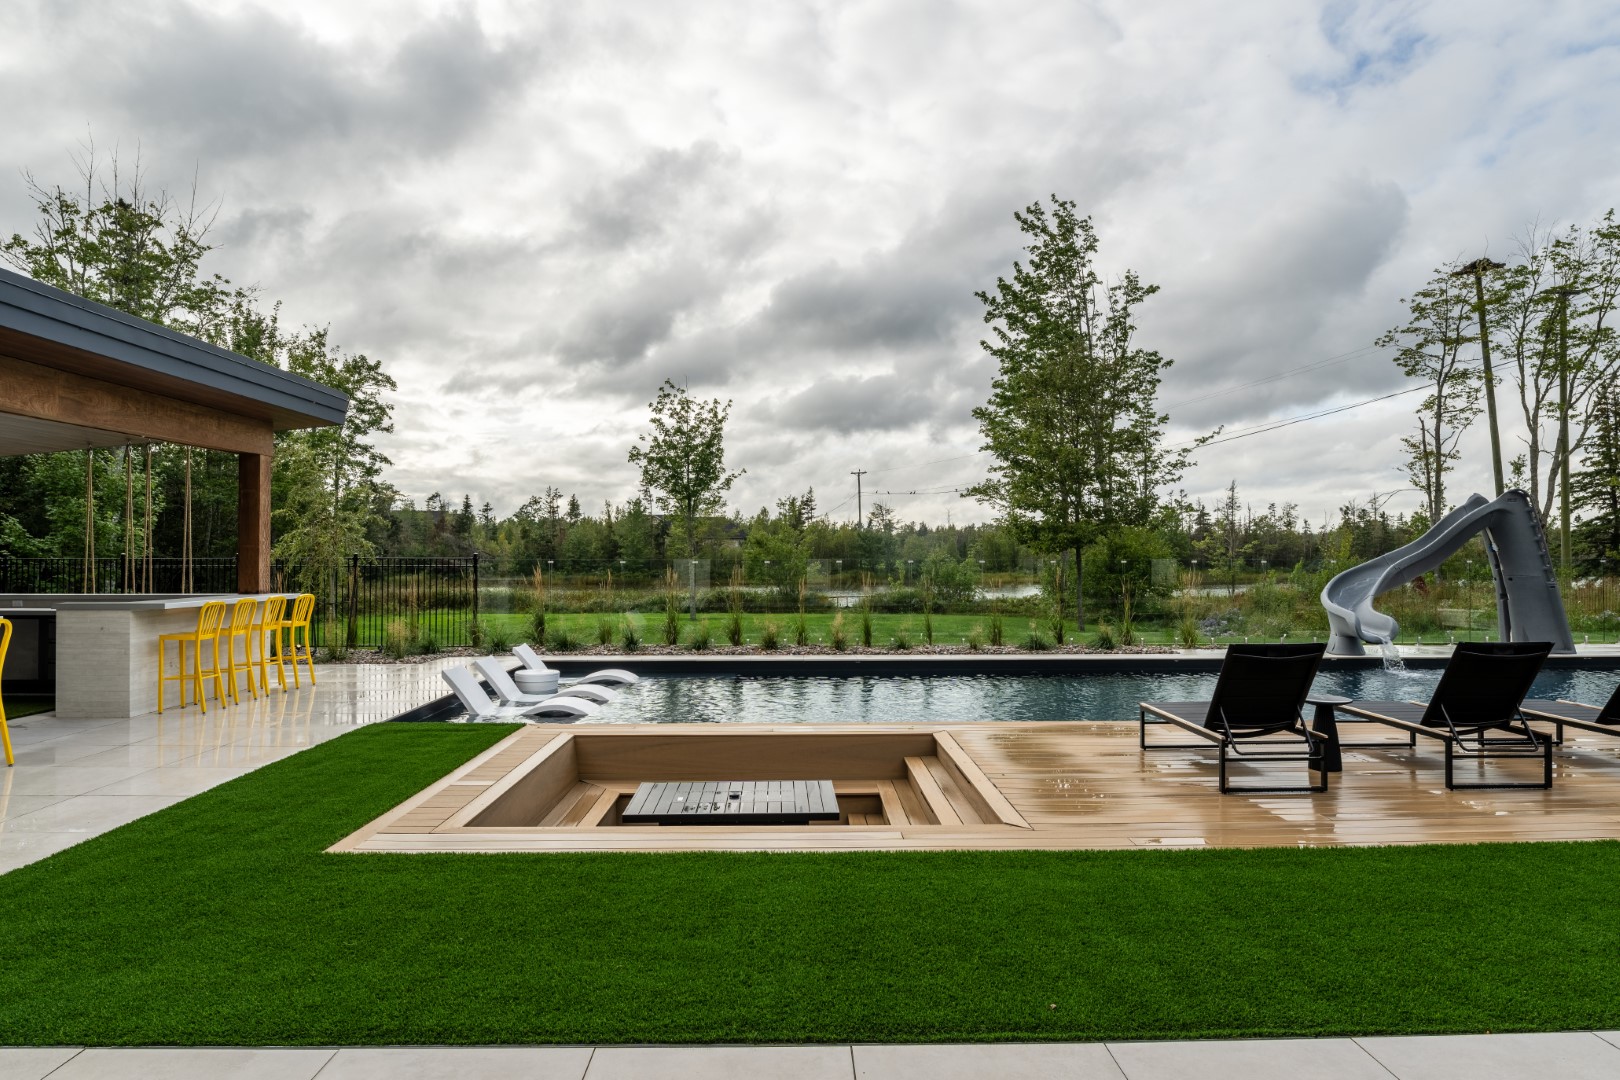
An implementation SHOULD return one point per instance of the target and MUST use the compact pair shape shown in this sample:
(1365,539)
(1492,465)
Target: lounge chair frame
(1597,719)
(1226,738)
(1466,738)
(1268,684)
(1524,741)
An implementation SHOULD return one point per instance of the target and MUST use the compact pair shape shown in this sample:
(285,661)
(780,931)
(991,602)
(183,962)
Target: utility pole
(1477,270)
(860,520)
(1561,466)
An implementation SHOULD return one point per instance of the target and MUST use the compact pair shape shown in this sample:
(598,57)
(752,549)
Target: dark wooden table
(732,802)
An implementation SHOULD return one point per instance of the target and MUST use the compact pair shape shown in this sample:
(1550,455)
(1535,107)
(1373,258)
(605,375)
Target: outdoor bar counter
(107,650)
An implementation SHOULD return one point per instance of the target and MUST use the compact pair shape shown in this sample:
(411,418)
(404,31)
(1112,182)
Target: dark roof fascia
(42,311)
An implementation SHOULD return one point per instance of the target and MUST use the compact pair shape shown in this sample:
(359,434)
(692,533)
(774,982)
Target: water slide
(1528,605)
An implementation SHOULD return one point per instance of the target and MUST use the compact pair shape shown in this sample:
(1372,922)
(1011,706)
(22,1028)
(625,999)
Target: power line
(941,461)
(1292,420)
(1316,365)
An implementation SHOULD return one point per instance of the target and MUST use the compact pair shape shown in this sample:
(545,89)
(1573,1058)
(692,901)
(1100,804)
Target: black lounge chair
(1562,714)
(1260,692)
(1479,693)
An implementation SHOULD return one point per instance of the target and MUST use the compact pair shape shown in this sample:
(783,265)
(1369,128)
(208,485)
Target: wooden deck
(996,786)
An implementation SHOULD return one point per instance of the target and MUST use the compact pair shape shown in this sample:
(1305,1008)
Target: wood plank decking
(1024,786)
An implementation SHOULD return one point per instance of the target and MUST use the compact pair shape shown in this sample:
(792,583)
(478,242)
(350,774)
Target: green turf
(18,706)
(220,920)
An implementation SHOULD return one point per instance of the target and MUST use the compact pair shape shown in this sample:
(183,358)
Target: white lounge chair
(610,676)
(471,694)
(500,680)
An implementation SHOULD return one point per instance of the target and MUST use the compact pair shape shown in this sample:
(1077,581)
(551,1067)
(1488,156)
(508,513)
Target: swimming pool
(694,699)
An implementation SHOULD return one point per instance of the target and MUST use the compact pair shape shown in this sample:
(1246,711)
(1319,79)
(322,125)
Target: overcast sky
(535,213)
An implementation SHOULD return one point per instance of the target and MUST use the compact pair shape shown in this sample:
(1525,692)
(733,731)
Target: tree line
(1082,485)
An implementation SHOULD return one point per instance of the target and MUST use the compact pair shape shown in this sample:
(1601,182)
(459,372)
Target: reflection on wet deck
(1089,786)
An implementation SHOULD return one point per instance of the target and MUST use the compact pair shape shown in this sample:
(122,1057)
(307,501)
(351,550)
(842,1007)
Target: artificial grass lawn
(220,920)
(18,706)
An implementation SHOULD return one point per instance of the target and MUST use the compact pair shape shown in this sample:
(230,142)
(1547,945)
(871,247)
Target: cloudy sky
(535,213)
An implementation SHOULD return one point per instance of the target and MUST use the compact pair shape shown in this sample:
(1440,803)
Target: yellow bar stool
(302,609)
(240,629)
(207,633)
(267,631)
(5,732)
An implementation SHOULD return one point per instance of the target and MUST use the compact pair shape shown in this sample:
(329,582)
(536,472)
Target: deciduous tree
(1431,347)
(682,460)
(1072,421)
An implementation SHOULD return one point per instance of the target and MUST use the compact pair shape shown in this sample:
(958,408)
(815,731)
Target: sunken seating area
(1034,785)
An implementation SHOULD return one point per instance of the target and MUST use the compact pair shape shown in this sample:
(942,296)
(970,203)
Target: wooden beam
(48,394)
(253,523)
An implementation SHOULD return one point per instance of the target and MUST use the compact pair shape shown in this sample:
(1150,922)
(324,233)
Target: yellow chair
(5,732)
(207,633)
(241,627)
(272,618)
(302,609)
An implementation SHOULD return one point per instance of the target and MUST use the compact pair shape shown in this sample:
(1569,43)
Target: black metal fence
(359,603)
(110,575)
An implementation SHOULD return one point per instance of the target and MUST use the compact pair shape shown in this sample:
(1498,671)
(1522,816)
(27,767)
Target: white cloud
(534,215)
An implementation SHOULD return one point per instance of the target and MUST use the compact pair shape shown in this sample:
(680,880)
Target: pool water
(931,699)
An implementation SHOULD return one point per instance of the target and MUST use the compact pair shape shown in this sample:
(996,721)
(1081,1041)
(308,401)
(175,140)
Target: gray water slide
(1528,605)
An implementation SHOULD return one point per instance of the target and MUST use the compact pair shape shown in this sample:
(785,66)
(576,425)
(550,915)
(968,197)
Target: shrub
(769,637)
(499,639)
(734,627)
(1056,625)
(866,628)
(396,639)
(975,638)
(1187,632)
(537,626)
(995,630)
(1105,638)
(427,644)
(801,631)
(560,640)
(605,631)
(629,635)
(928,627)
(1035,642)
(1127,633)
(838,637)
(336,647)
(902,639)
(475,634)
(672,611)
(699,640)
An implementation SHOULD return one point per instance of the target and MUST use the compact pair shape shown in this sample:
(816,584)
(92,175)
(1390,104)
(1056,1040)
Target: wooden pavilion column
(253,523)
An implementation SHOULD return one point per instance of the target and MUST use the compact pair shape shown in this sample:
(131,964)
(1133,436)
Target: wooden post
(253,523)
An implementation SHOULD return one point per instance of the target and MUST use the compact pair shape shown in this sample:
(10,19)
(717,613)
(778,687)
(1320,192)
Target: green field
(221,921)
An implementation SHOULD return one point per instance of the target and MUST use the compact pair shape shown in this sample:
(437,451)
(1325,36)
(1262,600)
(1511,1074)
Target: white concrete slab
(721,1063)
(33,1062)
(1247,1059)
(460,1062)
(86,814)
(1579,1055)
(974,1061)
(197,1063)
